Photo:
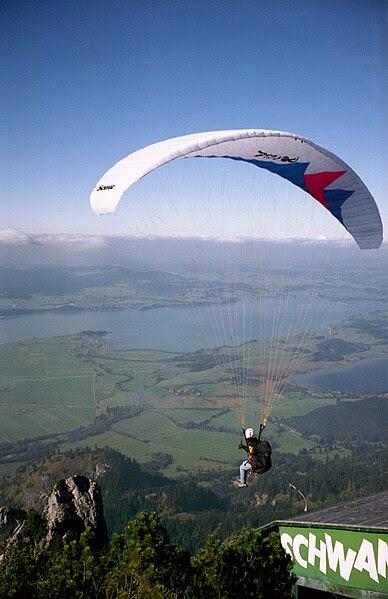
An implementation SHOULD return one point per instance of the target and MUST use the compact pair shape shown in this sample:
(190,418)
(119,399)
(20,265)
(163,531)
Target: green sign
(341,557)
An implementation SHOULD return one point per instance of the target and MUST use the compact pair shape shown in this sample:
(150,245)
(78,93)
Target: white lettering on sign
(365,560)
(286,541)
(382,559)
(298,541)
(315,552)
(334,556)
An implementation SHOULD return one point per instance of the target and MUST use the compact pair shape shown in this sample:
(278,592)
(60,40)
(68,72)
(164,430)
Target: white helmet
(249,433)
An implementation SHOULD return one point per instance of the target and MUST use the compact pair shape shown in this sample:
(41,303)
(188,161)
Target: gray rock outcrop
(12,522)
(75,504)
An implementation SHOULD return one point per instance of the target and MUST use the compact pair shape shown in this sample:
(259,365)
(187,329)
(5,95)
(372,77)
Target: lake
(184,329)
(370,377)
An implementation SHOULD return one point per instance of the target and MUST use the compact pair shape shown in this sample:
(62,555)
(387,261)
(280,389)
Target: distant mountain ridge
(56,280)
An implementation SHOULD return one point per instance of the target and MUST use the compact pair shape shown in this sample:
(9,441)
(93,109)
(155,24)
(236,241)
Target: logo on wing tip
(104,187)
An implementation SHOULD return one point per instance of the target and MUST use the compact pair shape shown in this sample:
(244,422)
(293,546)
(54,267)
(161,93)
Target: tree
(145,563)
(19,569)
(73,570)
(247,566)
(65,569)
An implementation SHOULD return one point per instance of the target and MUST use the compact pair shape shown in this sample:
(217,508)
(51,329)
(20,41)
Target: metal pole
(301,494)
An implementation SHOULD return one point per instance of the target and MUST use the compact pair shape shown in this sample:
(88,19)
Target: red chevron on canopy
(317,182)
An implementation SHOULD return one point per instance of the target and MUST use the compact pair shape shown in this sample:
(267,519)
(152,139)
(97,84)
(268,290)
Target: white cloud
(76,241)
(13,237)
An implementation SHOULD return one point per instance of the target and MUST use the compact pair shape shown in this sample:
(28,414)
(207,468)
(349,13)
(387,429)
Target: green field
(44,388)
(185,408)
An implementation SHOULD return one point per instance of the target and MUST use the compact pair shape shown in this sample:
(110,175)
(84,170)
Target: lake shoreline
(178,328)
(371,374)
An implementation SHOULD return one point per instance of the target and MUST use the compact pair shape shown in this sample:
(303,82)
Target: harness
(251,451)
(259,454)
(253,455)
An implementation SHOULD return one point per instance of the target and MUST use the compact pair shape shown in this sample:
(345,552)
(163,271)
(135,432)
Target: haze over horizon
(162,252)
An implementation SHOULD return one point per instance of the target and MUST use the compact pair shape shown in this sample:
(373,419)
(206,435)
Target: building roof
(368,512)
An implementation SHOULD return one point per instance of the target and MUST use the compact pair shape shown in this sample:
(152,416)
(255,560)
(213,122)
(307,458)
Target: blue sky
(85,83)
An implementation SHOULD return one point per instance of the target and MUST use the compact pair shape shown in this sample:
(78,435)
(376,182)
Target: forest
(346,421)
(194,506)
(143,562)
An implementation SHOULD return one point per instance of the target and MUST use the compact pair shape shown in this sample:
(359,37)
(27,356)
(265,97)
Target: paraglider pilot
(259,455)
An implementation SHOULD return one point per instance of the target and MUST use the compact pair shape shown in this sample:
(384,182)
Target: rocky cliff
(12,521)
(74,504)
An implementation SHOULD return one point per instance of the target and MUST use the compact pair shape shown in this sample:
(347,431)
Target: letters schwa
(328,554)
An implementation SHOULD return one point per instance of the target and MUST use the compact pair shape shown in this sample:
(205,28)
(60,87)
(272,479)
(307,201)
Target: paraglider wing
(312,168)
